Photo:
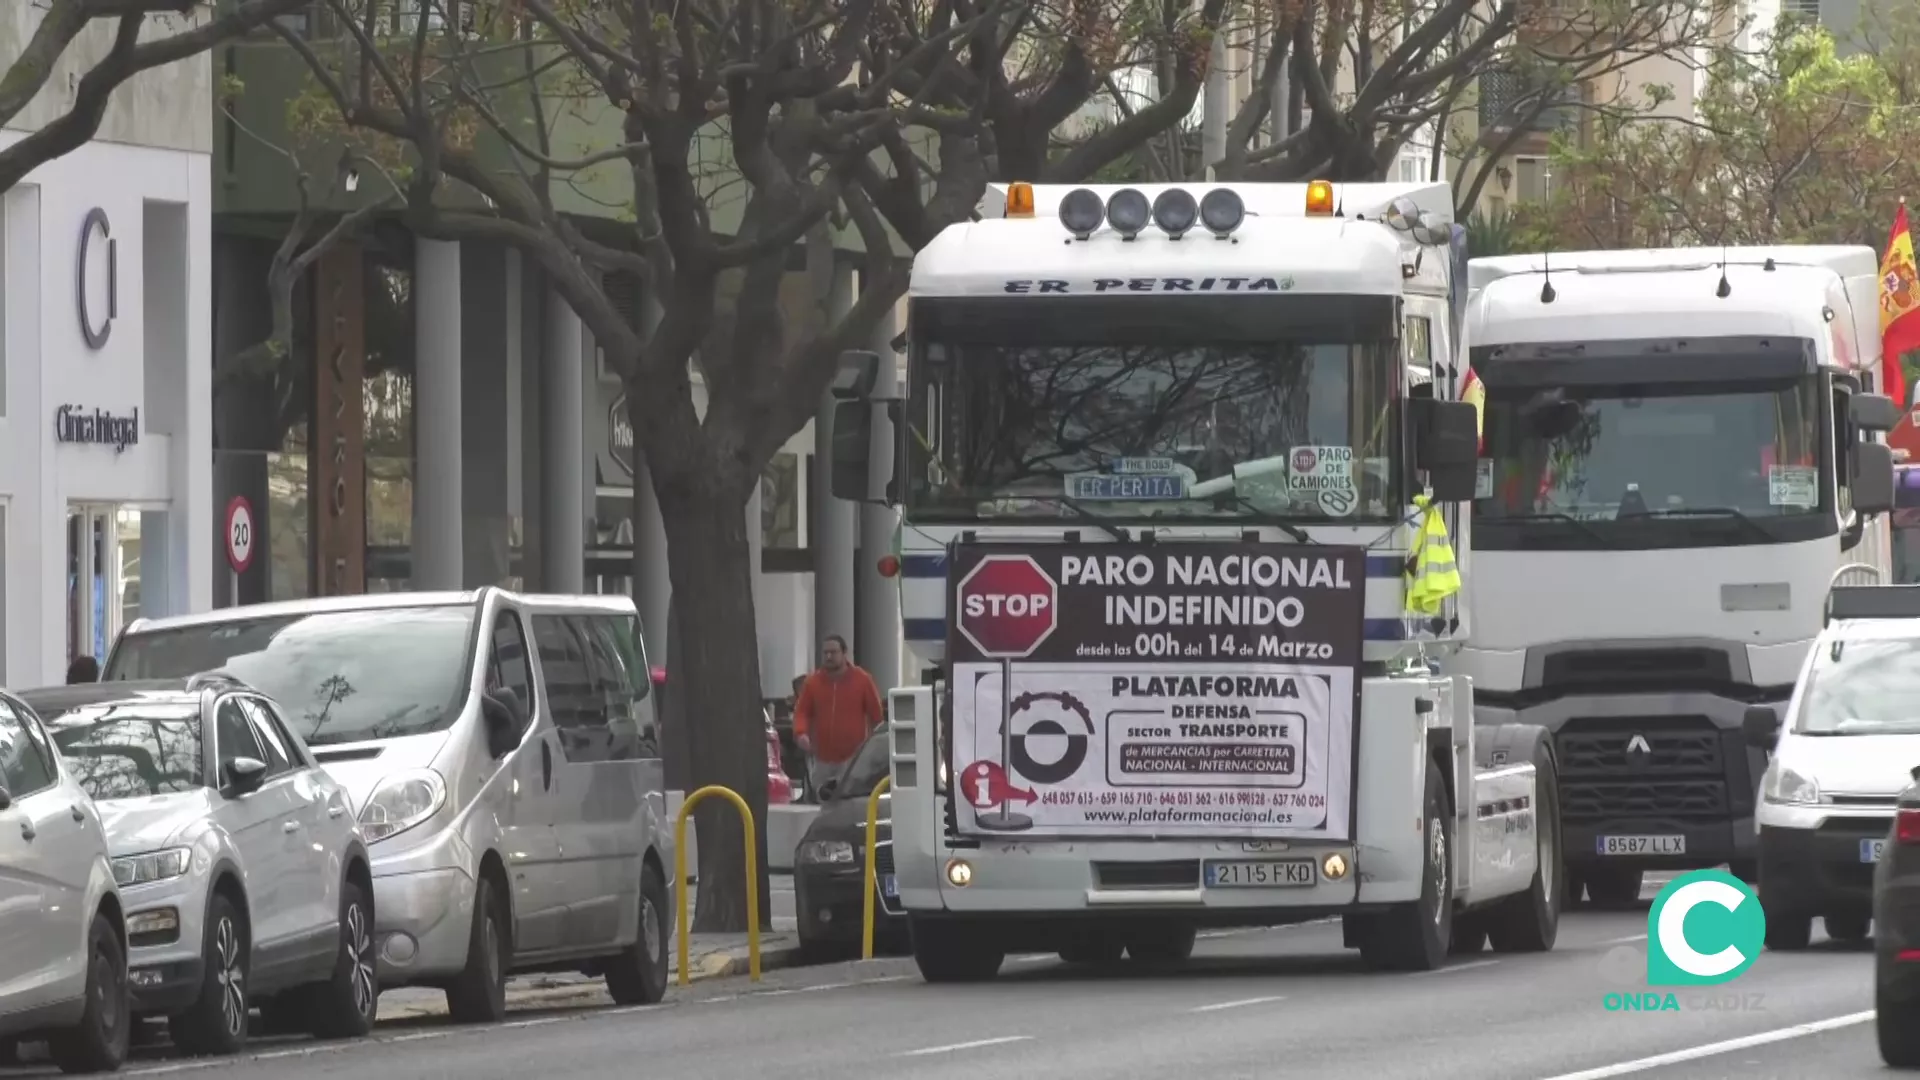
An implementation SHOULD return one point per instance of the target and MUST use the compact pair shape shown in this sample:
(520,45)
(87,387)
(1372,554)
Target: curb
(717,965)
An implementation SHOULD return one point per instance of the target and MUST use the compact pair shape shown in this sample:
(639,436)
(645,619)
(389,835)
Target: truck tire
(1469,933)
(1614,887)
(1417,936)
(1162,943)
(951,951)
(1530,921)
(1848,929)
(1097,948)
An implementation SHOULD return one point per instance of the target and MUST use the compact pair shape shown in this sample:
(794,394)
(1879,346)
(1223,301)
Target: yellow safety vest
(1431,574)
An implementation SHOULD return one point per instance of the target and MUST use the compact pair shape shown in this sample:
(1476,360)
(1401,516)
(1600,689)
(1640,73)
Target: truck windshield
(1863,686)
(339,676)
(1651,466)
(1125,415)
(1906,526)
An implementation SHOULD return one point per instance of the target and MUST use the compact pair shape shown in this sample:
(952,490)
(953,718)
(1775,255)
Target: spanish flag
(1899,299)
(1475,394)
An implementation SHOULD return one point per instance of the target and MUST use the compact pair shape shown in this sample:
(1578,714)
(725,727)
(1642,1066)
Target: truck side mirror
(1761,727)
(852,449)
(1873,412)
(1446,446)
(1871,465)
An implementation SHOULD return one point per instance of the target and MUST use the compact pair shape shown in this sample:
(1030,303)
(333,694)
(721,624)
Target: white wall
(48,363)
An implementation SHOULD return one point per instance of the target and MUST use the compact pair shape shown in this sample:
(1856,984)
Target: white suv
(63,956)
(240,862)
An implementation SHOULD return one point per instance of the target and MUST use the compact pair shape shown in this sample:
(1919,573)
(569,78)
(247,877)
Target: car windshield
(1603,453)
(1863,686)
(339,676)
(1046,421)
(131,750)
(866,770)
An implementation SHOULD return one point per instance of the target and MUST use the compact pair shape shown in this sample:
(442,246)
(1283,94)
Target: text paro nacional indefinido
(1202,609)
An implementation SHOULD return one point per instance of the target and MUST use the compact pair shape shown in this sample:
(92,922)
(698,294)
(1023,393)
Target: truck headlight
(1785,786)
(152,866)
(400,802)
(826,851)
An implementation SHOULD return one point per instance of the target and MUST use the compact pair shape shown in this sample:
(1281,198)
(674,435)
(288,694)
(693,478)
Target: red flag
(1899,306)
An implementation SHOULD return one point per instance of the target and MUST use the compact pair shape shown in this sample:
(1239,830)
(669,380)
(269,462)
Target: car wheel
(1848,929)
(1896,1018)
(1787,931)
(638,976)
(98,1043)
(345,1005)
(478,995)
(216,1023)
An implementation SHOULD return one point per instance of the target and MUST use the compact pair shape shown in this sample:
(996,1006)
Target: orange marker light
(1320,199)
(889,565)
(1020,200)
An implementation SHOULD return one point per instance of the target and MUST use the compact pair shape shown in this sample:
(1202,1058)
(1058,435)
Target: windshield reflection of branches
(131,752)
(1026,414)
(1874,685)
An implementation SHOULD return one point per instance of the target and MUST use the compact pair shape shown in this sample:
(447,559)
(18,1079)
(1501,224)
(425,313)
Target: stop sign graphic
(1008,606)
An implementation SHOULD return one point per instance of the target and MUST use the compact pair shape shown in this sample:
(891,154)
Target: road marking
(1217,1006)
(1712,1049)
(1626,940)
(974,1045)
(1451,968)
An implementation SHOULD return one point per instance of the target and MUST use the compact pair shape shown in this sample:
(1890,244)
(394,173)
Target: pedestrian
(837,707)
(84,669)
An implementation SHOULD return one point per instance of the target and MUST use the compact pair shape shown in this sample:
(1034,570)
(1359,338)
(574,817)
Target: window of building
(1807,10)
(1533,179)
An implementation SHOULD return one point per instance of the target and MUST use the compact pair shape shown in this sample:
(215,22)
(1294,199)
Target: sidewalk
(710,956)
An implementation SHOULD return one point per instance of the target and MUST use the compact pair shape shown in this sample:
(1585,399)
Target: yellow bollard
(873,834)
(753,875)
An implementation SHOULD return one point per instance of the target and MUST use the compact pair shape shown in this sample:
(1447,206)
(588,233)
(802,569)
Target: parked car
(481,735)
(243,873)
(63,958)
(1896,936)
(830,864)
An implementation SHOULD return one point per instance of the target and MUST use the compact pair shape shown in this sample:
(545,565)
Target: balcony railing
(1508,98)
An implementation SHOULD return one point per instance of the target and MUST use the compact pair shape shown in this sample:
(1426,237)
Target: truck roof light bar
(1175,212)
(1081,211)
(1320,199)
(1020,200)
(1221,212)
(1128,212)
(1873,602)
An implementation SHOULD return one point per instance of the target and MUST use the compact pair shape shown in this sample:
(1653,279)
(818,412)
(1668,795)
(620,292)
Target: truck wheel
(950,951)
(1613,886)
(1416,936)
(1849,929)
(1161,943)
(1787,931)
(1530,921)
(1469,934)
(1098,948)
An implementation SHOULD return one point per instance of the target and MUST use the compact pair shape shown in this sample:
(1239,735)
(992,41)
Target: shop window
(780,501)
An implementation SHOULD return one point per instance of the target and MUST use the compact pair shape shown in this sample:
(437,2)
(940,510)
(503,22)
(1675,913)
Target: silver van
(513,798)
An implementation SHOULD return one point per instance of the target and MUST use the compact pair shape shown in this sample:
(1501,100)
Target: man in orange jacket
(838,706)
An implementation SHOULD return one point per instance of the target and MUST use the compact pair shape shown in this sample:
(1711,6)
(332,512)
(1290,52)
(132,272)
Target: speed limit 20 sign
(239,534)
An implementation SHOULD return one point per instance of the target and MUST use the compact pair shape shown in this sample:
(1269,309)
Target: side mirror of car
(1447,447)
(1872,486)
(1873,412)
(505,721)
(1762,727)
(827,788)
(245,775)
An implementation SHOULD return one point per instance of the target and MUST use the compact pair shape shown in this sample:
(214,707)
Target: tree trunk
(717,656)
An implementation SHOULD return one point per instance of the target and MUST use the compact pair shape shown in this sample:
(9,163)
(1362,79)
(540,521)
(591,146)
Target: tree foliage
(145,34)
(1796,145)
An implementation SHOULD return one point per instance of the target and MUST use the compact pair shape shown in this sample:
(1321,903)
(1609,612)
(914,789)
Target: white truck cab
(1838,764)
(1680,458)
(1158,459)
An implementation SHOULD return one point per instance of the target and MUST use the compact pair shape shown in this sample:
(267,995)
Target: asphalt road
(1253,1004)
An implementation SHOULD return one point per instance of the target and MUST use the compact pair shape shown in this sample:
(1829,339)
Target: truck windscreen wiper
(1554,516)
(1727,512)
(1271,520)
(1078,510)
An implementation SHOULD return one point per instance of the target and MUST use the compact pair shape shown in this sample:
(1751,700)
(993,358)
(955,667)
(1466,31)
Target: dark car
(830,864)
(1896,925)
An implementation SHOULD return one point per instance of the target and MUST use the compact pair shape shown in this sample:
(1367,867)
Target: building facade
(105,440)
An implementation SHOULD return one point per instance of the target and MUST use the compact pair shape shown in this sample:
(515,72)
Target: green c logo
(1705,928)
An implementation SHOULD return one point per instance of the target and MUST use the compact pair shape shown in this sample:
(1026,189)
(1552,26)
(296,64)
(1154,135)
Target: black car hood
(845,819)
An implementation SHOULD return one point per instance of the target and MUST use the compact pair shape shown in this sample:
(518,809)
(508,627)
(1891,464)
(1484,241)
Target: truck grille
(1673,767)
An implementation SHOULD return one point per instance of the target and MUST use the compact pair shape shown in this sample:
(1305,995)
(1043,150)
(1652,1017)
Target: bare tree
(186,28)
